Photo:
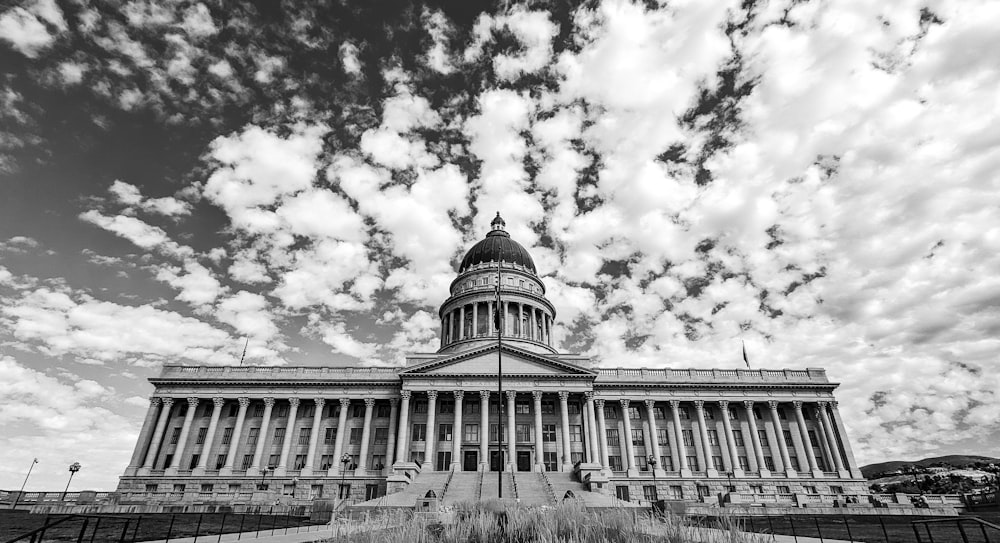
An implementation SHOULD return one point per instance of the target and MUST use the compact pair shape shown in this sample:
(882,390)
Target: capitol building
(236,434)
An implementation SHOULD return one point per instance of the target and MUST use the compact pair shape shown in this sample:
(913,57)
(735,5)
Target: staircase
(532,489)
(464,487)
(427,480)
(489,487)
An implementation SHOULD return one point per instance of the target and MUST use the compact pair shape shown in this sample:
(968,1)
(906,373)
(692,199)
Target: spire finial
(498,222)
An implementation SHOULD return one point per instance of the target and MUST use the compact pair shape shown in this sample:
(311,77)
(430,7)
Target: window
(417,457)
(649,493)
(551,459)
(272,461)
(471,433)
(358,410)
(304,436)
(522,407)
(282,411)
(659,412)
(667,463)
(354,462)
(329,435)
(325,461)
(574,408)
(252,436)
(419,432)
(782,489)
(756,413)
(757,489)
(420,406)
(495,432)
(548,407)
(703,491)
(788,438)
(151,487)
(279,436)
(494,408)
(709,413)
(175,436)
(781,414)
(182,410)
(356,435)
(194,460)
(575,432)
(640,462)
(444,432)
(615,462)
(307,410)
(378,461)
(836,489)
(744,463)
(717,463)
(383,411)
(693,463)
(447,407)
(713,437)
(662,438)
(610,412)
(812,438)
(576,457)
(769,463)
(288,490)
(738,438)
(247,460)
(179,487)
(227,435)
(762,436)
(202,432)
(733,414)
(685,413)
(333,410)
(820,463)
(549,433)
(300,461)
(220,461)
(234,410)
(633,412)
(688,436)
(677,492)
(795,462)
(258,410)
(613,438)
(809,490)
(315,491)
(805,414)
(471,408)
(168,460)
(637,437)
(524,433)
(381,436)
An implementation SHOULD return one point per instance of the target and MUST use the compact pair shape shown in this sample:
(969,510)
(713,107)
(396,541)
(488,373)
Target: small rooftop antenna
(245,345)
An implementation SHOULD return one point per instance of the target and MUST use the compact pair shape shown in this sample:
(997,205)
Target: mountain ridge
(954,460)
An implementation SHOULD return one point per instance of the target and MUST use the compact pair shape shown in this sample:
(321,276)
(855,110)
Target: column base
(455,466)
(225,471)
(658,472)
(818,474)
(306,472)
(791,473)
(856,474)
(632,472)
(764,473)
(170,472)
(427,465)
(567,467)
(712,473)
(252,471)
(737,472)
(843,473)
(280,471)
(142,472)
(130,471)
(685,472)
(198,471)
(540,468)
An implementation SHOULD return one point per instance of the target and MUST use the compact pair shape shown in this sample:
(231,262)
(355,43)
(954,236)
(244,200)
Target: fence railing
(963,525)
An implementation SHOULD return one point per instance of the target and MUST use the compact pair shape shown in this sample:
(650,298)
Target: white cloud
(349,58)
(198,21)
(196,283)
(25,27)
(336,336)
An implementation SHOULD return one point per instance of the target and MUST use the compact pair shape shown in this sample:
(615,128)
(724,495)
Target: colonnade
(474,319)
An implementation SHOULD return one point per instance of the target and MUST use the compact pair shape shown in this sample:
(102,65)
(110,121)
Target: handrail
(548,487)
(958,523)
(513,483)
(48,525)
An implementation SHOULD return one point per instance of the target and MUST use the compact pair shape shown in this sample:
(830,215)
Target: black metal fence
(207,527)
(871,528)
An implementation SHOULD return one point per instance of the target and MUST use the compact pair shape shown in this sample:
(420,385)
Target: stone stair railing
(548,488)
(479,485)
(513,483)
(444,491)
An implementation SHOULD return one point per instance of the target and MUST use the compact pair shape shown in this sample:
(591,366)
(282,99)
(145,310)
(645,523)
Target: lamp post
(652,466)
(73,468)
(18,497)
(263,474)
(344,460)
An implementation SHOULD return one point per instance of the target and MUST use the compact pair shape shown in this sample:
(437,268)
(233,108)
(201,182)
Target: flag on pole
(745,359)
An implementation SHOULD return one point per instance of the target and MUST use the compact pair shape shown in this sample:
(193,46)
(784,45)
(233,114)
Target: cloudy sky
(817,178)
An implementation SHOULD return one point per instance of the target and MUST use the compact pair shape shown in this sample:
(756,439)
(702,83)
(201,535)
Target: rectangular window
(378,461)
(258,410)
(307,411)
(709,413)
(524,433)
(494,408)
(613,438)
(551,460)
(175,436)
(667,463)
(688,436)
(663,438)
(472,433)
(637,437)
(381,436)
(272,460)
(633,412)
(744,464)
(194,460)
(809,490)
(522,407)
(300,461)
(247,460)
(179,487)
(202,432)
(227,435)
(358,410)
(836,489)
(576,457)
(757,489)
(788,438)
(304,436)
(812,438)
(615,462)
(220,461)
(756,413)
(703,491)
(471,408)
(693,463)
(782,489)
(326,461)
(610,412)
(820,463)
(781,414)
(549,433)
(333,410)
(356,435)
(495,432)
(762,436)
(660,412)
(685,413)
(282,411)
(420,406)
(383,411)
(279,436)
(769,463)
(444,432)
(640,462)
(234,410)
(734,414)
(676,492)
(795,462)
(548,407)
(575,433)
(419,432)
(354,461)
(738,438)
(574,408)
(288,490)
(167,460)
(713,437)
(252,436)
(717,463)
(329,435)
(447,407)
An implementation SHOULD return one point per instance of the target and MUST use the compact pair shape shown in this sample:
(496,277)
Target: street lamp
(345,460)
(652,466)
(18,497)
(263,474)
(73,468)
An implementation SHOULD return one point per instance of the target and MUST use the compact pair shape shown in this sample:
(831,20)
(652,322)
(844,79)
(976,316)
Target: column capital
(748,404)
(405,394)
(650,403)
(537,395)
(459,395)
(319,402)
(624,402)
(599,402)
(393,402)
(511,395)
(834,404)
(269,402)
(674,404)
(588,396)
(155,401)
(563,395)
(822,405)
(797,405)
(244,402)
(193,402)
(293,401)
(484,394)
(724,405)
(432,395)
(369,403)
(345,403)
(772,405)
(699,405)
(218,401)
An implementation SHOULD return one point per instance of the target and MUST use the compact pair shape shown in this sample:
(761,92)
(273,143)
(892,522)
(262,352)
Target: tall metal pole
(18,497)
(500,323)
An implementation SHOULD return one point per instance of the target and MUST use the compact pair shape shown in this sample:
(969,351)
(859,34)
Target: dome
(497,246)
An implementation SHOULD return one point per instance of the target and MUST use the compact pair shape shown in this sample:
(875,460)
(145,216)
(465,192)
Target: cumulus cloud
(33,27)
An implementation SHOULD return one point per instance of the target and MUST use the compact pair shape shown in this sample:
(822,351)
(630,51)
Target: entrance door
(496,461)
(523,460)
(471,461)
(444,461)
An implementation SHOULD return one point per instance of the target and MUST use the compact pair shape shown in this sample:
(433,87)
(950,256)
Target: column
(654,436)
(286,446)
(633,470)
(533,333)
(314,437)
(484,429)
(706,445)
(490,329)
(390,445)
(461,322)
(206,448)
(503,320)
(366,434)
(806,444)
(182,440)
(511,432)
(431,437)
(475,319)
(261,437)
(831,446)
(457,433)
(234,441)
(338,445)
(779,435)
(161,426)
(567,456)
(142,444)
(841,430)
(602,429)
(681,448)
(727,426)
(402,443)
(755,439)
(539,443)
(520,319)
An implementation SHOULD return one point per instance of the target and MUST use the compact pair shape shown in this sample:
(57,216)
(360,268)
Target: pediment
(485,362)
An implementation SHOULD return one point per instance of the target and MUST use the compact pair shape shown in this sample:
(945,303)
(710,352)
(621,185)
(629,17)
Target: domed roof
(497,246)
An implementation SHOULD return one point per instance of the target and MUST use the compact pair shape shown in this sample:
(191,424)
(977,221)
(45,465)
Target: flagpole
(499,386)
(745,359)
